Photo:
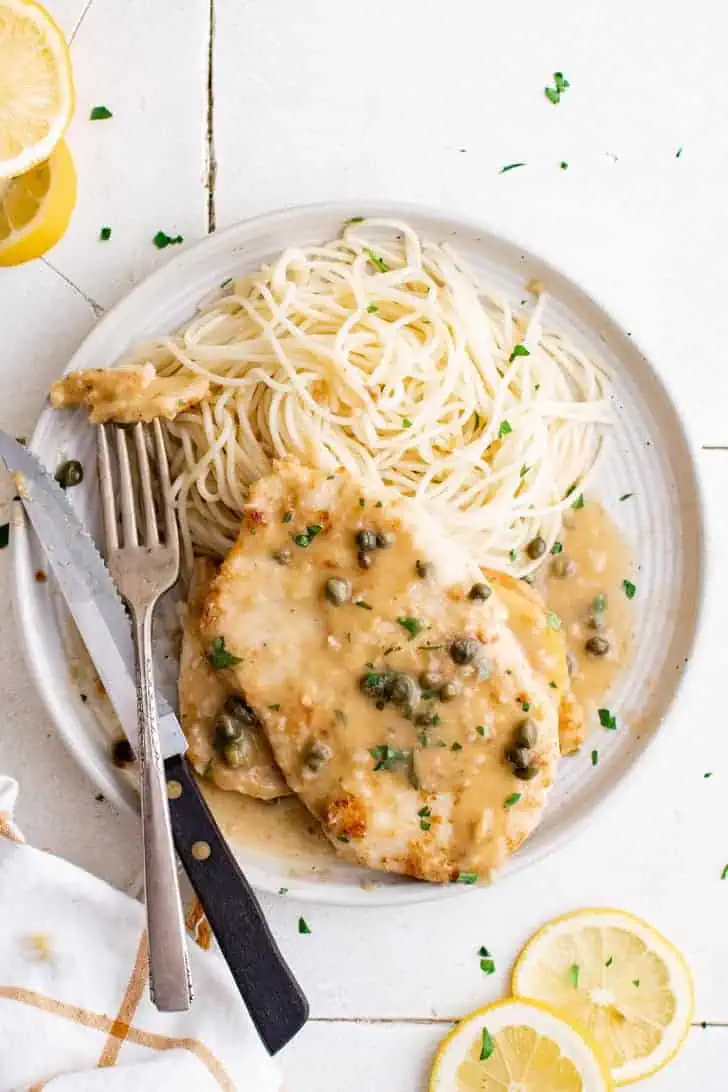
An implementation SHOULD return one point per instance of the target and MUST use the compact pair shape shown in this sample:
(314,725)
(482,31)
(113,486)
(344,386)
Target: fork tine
(126,490)
(171,532)
(106,484)
(151,533)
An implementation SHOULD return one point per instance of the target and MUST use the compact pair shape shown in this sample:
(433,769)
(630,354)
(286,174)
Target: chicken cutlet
(127,395)
(398,703)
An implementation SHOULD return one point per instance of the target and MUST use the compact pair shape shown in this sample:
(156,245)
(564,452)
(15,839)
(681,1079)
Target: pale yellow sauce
(286,830)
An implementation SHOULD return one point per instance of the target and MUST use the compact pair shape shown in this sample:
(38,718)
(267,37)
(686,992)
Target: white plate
(649,456)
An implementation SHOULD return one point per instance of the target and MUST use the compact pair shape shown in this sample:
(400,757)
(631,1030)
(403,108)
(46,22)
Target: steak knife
(275,1001)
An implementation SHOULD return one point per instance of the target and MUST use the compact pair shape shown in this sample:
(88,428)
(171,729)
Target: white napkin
(75,1014)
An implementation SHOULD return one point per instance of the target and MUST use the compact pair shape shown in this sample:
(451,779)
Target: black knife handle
(275,1001)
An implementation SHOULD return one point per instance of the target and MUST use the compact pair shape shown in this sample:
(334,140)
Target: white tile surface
(319,101)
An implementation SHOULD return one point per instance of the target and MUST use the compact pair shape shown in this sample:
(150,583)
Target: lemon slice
(617,978)
(36,87)
(518,1046)
(36,207)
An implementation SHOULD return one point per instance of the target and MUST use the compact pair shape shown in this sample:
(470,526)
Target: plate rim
(63,716)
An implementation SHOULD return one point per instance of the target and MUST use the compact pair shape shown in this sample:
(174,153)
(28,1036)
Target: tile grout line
(97,309)
(371,1021)
(714,447)
(79,21)
(210,135)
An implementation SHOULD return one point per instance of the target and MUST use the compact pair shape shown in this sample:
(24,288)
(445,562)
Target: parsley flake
(574,975)
(456,746)
(553,620)
(100,113)
(599,603)
(553,94)
(406,423)
(607,719)
(609,962)
(510,167)
(626,496)
(564,165)
(425,824)
(630,589)
(579,502)
(466,877)
(511,800)
(355,220)
(412,625)
(380,263)
(724,873)
(595,758)
(487,966)
(553,685)
(162,240)
(386,757)
(105,234)
(372,309)
(424,812)
(518,350)
(557,548)
(287,516)
(512,555)
(636,982)
(504,429)
(303,926)
(679,152)
(706,775)
(218,656)
(487,1046)
(282,890)
(363,604)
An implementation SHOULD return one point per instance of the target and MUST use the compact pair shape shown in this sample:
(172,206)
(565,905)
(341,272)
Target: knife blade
(88,590)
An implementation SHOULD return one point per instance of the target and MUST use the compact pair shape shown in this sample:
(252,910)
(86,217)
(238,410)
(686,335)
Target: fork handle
(275,1001)
(170,984)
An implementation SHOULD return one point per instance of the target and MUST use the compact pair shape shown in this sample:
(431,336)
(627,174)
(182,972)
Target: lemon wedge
(518,1046)
(36,86)
(617,978)
(36,207)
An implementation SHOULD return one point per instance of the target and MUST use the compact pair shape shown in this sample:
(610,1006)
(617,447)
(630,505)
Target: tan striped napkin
(74,1009)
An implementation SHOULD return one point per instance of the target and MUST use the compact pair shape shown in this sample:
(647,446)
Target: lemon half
(617,978)
(36,86)
(518,1045)
(36,207)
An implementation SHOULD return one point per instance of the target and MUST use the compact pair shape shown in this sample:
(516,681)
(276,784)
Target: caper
(233,754)
(526,734)
(404,691)
(239,709)
(463,650)
(385,539)
(227,728)
(481,591)
(282,556)
(563,567)
(378,685)
(518,757)
(364,559)
(424,569)
(338,591)
(69,474)
(366,540)
(449,691)
(527,773)
(597,646)
(317,755)
(430,680)
(536,548)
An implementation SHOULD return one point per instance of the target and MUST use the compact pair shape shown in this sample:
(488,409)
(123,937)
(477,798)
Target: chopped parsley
(380,263)
(607,719)
(511,800)
(105,234)
(372,309)
(100,113)
(456,746)
(487,965)
(525,706)
(595,758)
(579,502)
(287,516)
(363,604)
(609,962)
(626,496)
(708,774)
(510,167)
(553,94)
(162,240)
(636,982)
(679,152)
(425,824)
(599,603)
(218,656)
(275,707)
(362,502)
(512,555)
(487,1046)
(564,165)
(424,813)
(630,589)
(724,873)
(553,685)
(466,877)
(4,535)
(224,284)
(553,620)
(518,350)
(524,470)
(355,220)
(480,729)
(557,548)
(574,975)
(386,757)
(406,423)
(414,626)
(504,429)
(303,926)
(305,538)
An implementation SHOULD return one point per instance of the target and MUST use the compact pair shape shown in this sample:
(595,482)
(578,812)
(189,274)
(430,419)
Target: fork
(143,558)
